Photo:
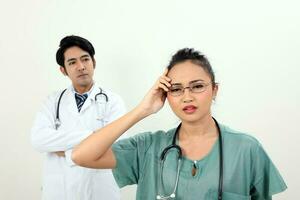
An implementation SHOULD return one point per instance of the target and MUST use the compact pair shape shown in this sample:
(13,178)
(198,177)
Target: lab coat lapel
(71,102)
(100,103)
(88,102)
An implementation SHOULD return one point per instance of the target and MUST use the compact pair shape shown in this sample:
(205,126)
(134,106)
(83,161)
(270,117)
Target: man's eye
(71,63)
(86,59)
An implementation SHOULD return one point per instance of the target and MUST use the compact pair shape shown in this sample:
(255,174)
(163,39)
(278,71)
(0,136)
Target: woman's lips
(189,109)
(82,75)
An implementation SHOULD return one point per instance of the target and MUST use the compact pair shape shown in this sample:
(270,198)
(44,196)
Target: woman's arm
(95,151)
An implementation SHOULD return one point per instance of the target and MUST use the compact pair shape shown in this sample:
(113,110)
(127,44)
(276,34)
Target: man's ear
(63,70)
(94,61)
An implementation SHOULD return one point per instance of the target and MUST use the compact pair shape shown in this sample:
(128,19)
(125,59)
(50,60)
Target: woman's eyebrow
(193,81)
(198,80)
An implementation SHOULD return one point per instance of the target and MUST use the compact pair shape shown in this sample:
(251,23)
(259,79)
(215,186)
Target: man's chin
(85,84)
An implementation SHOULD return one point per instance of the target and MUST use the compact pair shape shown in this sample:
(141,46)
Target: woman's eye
(175,89)
(199,86)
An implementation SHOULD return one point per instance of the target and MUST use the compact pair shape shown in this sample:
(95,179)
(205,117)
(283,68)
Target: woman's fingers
(165,81)
(164,87)
(165,72)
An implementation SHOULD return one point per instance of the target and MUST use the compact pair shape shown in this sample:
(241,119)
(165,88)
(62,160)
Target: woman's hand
(95,151)
(155,98)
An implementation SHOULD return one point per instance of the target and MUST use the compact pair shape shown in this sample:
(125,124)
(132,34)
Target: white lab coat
(63,180)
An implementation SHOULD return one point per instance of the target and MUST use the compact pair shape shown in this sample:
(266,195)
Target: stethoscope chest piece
(57,123)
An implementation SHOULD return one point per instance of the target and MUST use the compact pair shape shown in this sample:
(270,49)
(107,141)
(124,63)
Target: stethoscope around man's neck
(57,119)
(177,147)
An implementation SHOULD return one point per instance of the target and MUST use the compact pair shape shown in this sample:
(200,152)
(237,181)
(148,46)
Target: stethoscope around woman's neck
(177,147)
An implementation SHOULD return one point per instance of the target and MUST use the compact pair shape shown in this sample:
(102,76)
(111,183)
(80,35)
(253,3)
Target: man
(69,116)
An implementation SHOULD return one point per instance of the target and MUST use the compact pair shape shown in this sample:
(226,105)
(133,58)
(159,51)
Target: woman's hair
(71,41)
(196,57)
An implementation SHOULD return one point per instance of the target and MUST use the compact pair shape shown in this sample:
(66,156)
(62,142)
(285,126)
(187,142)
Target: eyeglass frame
(182,90)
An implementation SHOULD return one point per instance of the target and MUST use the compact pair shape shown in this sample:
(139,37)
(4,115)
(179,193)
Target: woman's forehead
(186,72)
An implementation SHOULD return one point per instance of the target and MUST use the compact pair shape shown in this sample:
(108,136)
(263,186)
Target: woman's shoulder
(144,140)
(155,135)
(238,137)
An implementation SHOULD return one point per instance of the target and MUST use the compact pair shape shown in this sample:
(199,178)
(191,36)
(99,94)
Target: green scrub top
(249,174)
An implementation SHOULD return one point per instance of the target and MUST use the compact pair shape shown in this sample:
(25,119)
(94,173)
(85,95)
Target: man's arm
(45,138)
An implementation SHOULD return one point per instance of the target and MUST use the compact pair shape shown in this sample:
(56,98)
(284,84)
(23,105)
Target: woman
(216,163)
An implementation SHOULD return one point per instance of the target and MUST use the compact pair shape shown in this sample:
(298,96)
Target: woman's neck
(203,128)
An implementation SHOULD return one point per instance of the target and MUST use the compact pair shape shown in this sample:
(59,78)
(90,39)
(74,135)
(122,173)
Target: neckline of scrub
(213,149)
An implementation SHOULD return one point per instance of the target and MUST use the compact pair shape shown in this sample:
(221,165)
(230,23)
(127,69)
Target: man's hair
(71,41)
(196,57)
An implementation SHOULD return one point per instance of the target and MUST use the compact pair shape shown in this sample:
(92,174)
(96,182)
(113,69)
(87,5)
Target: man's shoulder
(57,93)
(109,92)
(111,95)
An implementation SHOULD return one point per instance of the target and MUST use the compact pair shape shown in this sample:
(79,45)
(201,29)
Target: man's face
(79,67)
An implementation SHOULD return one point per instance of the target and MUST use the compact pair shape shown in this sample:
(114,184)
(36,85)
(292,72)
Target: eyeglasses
(194,87)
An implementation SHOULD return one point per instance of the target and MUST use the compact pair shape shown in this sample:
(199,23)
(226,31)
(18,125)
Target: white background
(253,47)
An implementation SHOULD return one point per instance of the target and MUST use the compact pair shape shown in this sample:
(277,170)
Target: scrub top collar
(213,149)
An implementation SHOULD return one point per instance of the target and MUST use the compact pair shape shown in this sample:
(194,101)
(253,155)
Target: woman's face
(191,106)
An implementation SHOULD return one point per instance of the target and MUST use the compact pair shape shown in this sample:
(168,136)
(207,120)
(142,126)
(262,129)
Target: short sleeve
(130,158)
(266,178)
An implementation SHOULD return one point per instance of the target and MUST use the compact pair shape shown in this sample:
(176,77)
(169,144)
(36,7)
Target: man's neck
(83,89)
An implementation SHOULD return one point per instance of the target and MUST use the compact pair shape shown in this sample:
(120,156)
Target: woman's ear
(215,90)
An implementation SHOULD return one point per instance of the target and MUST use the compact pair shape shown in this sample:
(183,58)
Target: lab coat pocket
(228,196)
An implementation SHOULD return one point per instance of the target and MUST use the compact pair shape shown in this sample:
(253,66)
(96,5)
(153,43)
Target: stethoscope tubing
(177,147)
(57,119)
